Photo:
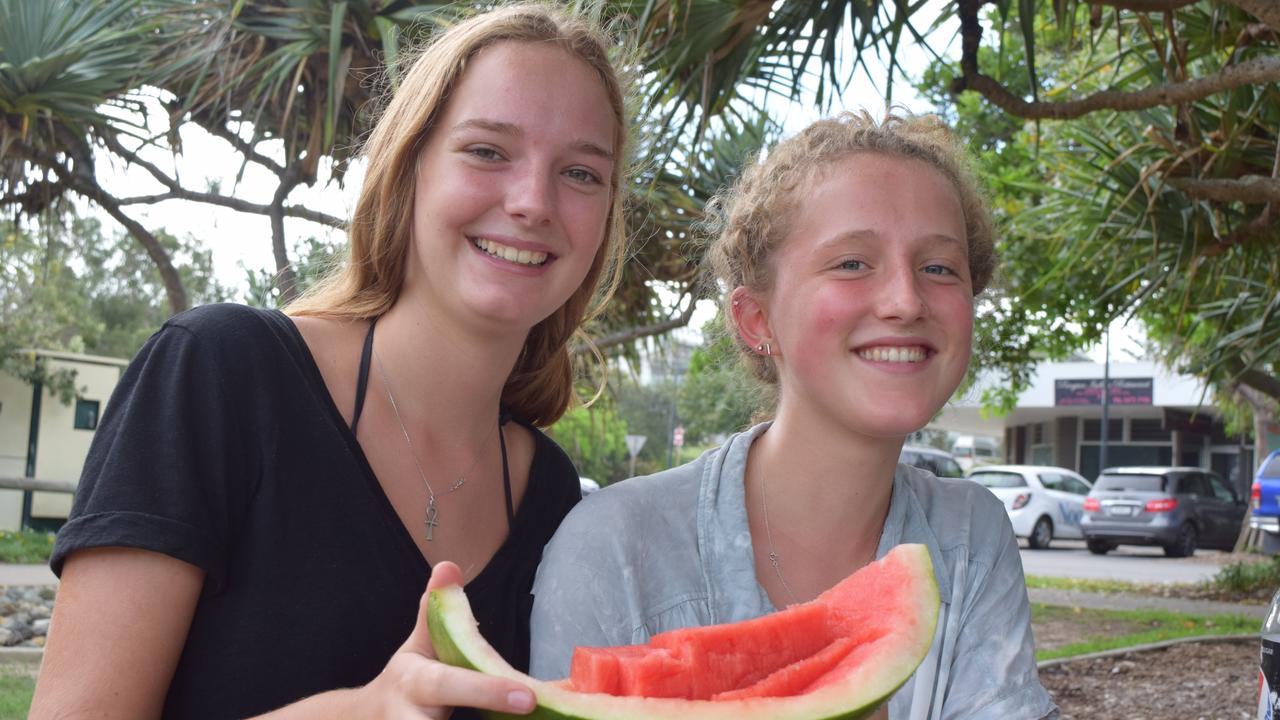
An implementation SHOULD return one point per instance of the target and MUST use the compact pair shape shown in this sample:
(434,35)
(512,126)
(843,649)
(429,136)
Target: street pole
(1106,401)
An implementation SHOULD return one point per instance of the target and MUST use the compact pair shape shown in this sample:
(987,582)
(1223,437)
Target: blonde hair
(540,387)
(755,215)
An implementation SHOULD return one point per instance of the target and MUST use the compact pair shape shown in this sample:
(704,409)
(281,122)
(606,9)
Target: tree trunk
(286,277)
(1264,414)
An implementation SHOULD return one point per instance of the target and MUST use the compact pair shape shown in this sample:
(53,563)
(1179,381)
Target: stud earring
(764,348)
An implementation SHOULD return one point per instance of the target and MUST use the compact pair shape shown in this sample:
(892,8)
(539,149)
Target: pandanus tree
(291,86)
(1156,128)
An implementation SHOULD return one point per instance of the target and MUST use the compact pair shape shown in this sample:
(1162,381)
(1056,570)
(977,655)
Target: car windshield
(1272,470)
(1138,483)
(998,479)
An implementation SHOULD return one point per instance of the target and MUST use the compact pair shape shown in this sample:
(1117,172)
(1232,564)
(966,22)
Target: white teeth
(506,252)
(893,354)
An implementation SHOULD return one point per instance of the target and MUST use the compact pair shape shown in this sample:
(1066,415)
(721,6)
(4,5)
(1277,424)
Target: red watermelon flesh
(786,653)
(699,663)
(795,678)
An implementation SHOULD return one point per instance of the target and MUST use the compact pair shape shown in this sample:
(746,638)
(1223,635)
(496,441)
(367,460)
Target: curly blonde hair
(540,387)
(751,219)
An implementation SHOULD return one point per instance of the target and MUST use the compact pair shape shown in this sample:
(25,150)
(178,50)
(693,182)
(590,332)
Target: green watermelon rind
(457,641)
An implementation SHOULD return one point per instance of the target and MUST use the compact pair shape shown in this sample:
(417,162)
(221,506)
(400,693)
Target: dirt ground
(1197,681)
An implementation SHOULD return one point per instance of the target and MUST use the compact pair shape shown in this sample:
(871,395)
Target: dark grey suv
(1178,508)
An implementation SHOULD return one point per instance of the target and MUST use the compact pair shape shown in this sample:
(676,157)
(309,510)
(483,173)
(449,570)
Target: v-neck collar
(725,548)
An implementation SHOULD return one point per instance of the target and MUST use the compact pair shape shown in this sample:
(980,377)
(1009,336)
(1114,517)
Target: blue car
(1265,500)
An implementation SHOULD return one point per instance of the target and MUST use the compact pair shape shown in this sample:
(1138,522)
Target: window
(1133,483)
(949,468)
(1192,484)
(1051,481)
(1220,489)
(86,414)
(1093,430)
(998,479)
(1148,430)
(1075,486)
(1272,469)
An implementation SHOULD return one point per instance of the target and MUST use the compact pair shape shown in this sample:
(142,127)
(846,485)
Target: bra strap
(362,377)
(506,472)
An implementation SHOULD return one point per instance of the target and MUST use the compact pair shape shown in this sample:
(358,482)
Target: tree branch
(178,192)
(286,278)
(1145,5)
(1263,382)
(244,148)
(640,331)
(1268,11)
(1247,189)
(238,204)
(1256,71)
(87,185)
(38,196)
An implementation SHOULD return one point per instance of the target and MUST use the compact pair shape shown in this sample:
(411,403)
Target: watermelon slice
(839,656)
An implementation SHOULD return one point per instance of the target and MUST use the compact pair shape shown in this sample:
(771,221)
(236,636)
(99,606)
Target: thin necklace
(773,552)
(432,517)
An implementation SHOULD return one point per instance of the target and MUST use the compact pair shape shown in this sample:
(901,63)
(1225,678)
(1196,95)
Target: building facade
(1154,417)
(45,438)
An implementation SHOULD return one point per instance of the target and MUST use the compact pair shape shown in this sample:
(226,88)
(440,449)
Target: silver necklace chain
(773,552)
(431,519)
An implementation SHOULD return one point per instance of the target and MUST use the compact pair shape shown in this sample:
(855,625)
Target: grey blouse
(672,550)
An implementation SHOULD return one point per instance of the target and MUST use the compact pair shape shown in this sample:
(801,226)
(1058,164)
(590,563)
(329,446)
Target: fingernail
(520,700)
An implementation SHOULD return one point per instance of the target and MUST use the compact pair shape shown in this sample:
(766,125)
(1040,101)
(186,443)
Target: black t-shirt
(222,447)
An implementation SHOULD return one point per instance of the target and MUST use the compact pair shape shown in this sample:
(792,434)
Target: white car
(1043,502)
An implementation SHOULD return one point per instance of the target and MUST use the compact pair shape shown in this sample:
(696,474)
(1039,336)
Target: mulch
(1195,680)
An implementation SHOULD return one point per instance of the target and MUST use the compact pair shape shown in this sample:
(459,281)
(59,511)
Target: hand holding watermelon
(414,684)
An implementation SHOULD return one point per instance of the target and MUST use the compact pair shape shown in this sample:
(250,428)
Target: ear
(751,320)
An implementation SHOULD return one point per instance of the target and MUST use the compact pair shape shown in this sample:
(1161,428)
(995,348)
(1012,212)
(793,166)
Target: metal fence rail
(26,483)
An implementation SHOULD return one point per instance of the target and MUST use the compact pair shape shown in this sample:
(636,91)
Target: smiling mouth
(906,354)
(510,254)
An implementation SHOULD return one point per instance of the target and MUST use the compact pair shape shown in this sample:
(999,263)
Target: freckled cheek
(822,322)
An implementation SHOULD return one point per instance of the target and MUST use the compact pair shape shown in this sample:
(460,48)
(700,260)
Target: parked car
(1177,508)
(1265,498)
(1043,502)
(938,462)
(973,450)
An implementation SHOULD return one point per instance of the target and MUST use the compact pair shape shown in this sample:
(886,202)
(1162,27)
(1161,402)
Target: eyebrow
(506,128)
(858,235)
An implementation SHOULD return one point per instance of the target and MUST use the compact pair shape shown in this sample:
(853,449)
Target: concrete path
(1126,601)
(27,575)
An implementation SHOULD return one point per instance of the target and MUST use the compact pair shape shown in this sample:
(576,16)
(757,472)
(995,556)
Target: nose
(900,296)
(531,197)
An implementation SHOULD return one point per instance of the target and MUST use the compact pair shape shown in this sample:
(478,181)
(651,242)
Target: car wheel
(1184,545)
(1041,534)
(1099,547)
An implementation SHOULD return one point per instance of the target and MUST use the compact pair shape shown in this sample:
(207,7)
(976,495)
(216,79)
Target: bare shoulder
(335,345)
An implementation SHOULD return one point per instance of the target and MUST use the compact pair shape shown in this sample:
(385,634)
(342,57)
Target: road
(1069,558)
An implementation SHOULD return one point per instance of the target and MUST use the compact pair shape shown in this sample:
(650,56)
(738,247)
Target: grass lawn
(1099,630)
(1086,585)
(25,546)
(17,683)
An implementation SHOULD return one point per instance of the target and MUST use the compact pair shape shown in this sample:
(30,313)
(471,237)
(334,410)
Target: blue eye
(483,152)
(851,265)
(939,270)
(583,175)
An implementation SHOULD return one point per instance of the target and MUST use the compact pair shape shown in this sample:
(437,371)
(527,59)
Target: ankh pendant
(431,520)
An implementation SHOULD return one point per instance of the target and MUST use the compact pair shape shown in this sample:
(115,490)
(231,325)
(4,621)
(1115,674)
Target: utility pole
(1106,401)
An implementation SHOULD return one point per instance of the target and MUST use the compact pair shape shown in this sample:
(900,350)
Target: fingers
(444,573)
(436,684)
(419,641)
